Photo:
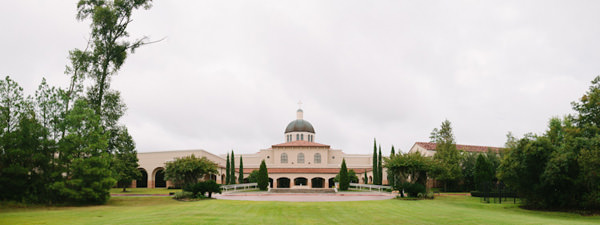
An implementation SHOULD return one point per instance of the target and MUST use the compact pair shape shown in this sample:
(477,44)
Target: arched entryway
(270,182)
(317,182)
(213,177)
(283,182)
(300,181)
(223,179)
(159,178)
(331,182)
(142,182)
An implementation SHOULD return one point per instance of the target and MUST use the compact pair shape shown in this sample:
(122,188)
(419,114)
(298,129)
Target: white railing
(370,187)
(235,187)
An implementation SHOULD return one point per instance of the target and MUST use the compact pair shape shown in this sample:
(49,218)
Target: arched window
(283,158)
(310,138)
(302,137)
(300,157)
(317,158)
(297,137)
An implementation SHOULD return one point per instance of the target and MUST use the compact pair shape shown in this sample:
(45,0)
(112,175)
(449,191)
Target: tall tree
(125,163)
(227,169)
(12,101)
(379,168)
(447,156)
(86,174)
(108,46)
(232,169)
(390,174)
(263,176)
(344,179)
(241,172)
(375,173)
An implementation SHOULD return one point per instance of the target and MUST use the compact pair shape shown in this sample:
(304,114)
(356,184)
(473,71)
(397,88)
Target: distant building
(428,148)
(299,162)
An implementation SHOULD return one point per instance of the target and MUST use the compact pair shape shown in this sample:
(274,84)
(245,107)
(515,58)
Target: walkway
(306,197)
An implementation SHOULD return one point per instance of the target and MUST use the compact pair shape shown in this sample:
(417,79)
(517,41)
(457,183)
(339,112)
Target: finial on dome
(299,112)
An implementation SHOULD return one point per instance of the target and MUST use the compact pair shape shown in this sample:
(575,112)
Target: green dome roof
(299,126)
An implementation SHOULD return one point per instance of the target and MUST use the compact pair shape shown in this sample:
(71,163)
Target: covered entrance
(283,182)
(317,182)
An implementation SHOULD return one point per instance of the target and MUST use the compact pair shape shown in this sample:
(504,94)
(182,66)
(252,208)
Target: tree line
(66,145)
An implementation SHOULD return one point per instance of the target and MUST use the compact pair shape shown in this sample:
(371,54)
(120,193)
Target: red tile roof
(467,148)
(300,144)
(308,170)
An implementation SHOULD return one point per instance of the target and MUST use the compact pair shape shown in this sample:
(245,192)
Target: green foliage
(366,178)
(375,165)
(344,178)
(53,153)
(125,162)
(414,189)
(199,189)
(447,157)
(253,176)
(90,181)
(184,195)
(468,161)
(559,169)
(263,176)
(351,176)
(227,169)
(241,172)
(379,168)
(484,172)
(188,170)
(232,169)
(413,165)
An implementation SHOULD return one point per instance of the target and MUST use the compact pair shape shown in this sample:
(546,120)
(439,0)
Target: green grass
(164,210)
(143,191)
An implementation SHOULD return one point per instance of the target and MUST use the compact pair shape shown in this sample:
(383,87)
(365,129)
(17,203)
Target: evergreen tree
(447,157)
(232,169)
(241,176)
(344,179)
(379,168)
(263,176)
(374,181)
(366,178)
(227,169)
(390,174)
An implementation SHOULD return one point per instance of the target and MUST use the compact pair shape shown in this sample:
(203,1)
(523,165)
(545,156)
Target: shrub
(183,195)
(199,189)
(195,189)
(430,195)
(413,190)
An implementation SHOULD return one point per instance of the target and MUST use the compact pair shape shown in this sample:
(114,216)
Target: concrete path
(305,197)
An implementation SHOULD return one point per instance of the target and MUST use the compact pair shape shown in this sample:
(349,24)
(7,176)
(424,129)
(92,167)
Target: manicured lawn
(164,210)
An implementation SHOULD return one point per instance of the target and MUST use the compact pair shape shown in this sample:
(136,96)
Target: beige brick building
(298,162)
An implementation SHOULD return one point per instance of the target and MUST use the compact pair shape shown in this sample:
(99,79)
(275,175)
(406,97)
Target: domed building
(298,162)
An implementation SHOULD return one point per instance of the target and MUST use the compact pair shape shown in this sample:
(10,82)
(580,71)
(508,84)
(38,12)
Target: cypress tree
(241,177)
(390,173)
(232,169)
(374,161)
(379,169)
(227,174)
(344,179)
(263,176)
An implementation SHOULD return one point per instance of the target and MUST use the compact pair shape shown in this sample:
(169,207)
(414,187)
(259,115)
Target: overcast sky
(229,74)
